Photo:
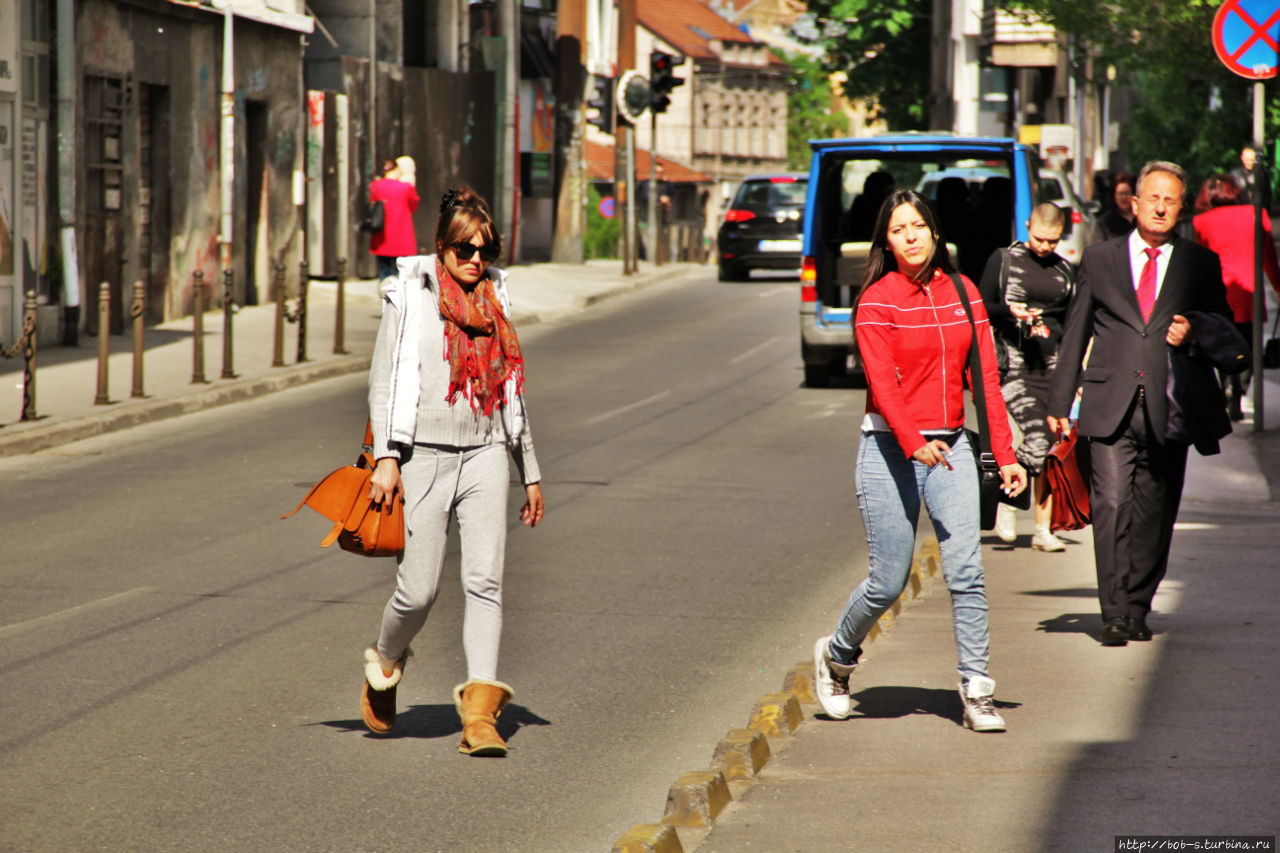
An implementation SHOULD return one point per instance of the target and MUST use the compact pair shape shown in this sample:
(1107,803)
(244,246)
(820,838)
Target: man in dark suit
(1132,296)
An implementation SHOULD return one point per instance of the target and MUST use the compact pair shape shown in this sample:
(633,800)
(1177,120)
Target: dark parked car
(764,225)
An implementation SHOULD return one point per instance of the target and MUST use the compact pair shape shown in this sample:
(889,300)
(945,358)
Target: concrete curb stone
(742,753)
(696,799)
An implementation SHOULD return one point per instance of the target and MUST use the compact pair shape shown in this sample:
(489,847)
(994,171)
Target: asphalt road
(181,669)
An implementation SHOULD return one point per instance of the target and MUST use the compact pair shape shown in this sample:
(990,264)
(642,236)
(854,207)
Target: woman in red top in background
(914,337)
(1225,225)
(399,197)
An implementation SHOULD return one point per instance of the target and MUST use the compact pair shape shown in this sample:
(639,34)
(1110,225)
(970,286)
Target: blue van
(983,190)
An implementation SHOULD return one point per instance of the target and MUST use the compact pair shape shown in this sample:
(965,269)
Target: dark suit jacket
(1127,352)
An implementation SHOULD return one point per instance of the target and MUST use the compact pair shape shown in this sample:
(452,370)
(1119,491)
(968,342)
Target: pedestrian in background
(1026,289)
(914,336)
(398,193)
(1246,179)
(1117,219)
(1132,298)
(446,402)
(1225,224)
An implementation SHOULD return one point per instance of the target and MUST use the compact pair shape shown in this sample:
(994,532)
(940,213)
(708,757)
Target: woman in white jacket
(446,403)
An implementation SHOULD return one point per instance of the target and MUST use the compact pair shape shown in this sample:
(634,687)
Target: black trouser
(1136,488)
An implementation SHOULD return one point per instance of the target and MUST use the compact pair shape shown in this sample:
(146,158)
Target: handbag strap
(975,375)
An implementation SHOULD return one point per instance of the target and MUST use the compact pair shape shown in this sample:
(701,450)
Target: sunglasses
(465,250)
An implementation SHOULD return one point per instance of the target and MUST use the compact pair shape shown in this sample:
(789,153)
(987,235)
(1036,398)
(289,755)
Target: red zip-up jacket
(914,342)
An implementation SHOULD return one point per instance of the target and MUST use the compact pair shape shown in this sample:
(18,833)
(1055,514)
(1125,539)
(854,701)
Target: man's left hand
(1179,331)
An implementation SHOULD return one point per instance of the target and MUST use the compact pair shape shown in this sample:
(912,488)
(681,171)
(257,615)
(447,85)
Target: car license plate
(779,246)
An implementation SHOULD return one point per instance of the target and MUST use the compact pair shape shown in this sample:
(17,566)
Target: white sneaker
(1006,522)
(979,706)
(831,681)
(1043,540)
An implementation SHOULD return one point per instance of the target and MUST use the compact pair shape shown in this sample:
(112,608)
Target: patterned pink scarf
(479,344)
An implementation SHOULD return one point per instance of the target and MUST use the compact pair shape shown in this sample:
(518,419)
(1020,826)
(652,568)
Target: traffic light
(661,79)
(600,103)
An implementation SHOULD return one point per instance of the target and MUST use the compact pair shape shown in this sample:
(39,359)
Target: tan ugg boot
(378,699)
(479,703)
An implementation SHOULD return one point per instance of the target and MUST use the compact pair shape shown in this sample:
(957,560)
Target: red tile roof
(687,25)
(600,166)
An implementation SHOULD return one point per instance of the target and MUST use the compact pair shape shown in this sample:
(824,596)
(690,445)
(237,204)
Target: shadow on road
(437,721)
(894,702)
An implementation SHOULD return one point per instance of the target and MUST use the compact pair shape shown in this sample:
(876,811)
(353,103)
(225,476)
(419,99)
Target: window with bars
(104,123)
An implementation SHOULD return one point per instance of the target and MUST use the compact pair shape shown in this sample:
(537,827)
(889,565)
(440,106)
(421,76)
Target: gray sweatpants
(439,481)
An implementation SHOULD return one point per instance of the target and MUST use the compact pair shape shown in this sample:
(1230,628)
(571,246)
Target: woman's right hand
(385,483)
(933,453)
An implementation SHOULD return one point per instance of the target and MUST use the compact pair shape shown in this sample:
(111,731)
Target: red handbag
(1066,472)
(359,526)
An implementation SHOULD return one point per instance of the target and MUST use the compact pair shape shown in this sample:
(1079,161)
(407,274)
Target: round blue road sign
(1246,37)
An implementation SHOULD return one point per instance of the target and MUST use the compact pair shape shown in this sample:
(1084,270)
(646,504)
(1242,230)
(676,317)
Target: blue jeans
(890,487)
(387,266)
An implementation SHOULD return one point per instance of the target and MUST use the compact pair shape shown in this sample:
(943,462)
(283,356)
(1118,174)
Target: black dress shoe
(1137,628)
(1115,632)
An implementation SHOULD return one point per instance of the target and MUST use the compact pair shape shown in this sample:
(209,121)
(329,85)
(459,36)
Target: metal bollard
(277,348)
(137,311)
(104,342)
(197,336)
(303,280)
(228,351)
(339,317)
(29,356)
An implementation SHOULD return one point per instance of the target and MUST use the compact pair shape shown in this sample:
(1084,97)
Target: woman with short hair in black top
(1026,289)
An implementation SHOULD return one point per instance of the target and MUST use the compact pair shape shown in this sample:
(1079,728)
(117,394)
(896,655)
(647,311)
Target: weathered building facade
(149,82)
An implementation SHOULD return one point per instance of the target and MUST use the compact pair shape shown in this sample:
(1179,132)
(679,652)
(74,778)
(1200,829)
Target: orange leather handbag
(358,526)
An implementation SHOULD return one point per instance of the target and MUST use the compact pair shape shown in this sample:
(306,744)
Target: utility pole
(504,186)
(1259,234)
(571,220)
(624,167)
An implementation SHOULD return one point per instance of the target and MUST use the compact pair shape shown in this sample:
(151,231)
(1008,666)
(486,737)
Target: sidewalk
(67,377)
(1178,736)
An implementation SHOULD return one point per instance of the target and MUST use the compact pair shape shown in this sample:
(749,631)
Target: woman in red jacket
(1226,227)
(399,197)
(914,337)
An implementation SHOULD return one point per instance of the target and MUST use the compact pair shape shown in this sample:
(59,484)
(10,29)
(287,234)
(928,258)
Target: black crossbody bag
(990,483)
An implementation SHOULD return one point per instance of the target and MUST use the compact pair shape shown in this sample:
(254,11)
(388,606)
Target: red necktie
(1147,284)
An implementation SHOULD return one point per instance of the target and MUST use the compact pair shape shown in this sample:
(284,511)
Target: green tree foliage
(811,111)
(883,48)
(1188,107)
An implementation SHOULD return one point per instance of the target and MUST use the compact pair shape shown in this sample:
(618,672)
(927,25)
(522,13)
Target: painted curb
(776,715)
(695,800)
(649,838)
(741,754)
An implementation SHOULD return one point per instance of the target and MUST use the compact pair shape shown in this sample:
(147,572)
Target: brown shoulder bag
(358,526)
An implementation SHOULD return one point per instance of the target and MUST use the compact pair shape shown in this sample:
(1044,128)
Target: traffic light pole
(624,168)
(652,243)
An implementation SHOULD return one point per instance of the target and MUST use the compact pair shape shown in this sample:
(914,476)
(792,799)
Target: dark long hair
(881,260)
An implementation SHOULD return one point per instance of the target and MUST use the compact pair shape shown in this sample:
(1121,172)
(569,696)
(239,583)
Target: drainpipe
(65,23)
(228,133)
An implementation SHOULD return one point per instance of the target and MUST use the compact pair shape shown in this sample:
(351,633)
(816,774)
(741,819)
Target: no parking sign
(1246,37)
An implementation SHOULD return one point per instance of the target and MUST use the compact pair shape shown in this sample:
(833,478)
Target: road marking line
(18,627)
(754,350)
(774,291)
(624,409)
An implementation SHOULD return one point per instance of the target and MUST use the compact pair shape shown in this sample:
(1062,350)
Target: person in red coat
(399,197)
(1226,227)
